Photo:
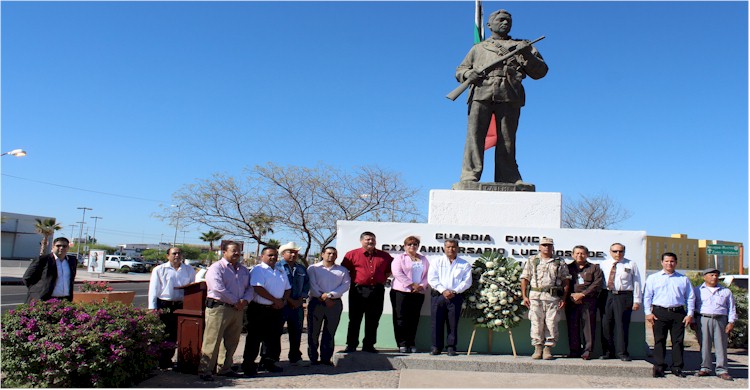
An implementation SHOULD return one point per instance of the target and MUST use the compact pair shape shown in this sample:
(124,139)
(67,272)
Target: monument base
(498,187)
(495,208)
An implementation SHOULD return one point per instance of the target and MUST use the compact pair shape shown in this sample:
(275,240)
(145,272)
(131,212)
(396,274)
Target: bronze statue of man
(498,92)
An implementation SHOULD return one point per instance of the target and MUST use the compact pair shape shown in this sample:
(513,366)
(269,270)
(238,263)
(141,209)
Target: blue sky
(644,101)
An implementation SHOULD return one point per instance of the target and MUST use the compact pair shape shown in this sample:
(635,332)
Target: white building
(19,238)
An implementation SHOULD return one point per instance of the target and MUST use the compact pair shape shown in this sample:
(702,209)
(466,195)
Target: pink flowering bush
(95,287)
(63,344)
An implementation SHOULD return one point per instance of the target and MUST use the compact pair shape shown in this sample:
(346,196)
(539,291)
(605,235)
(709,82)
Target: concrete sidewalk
(11,273)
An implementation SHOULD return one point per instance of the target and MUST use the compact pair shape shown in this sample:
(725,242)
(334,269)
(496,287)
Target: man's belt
(714,316)
(211,303)
(620,292)
(674,309)
(550,290)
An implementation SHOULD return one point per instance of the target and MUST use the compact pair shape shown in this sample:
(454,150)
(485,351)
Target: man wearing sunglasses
(622,280)
(51,276)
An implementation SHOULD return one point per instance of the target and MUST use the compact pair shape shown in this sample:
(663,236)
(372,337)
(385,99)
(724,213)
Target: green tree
(190,252)
(46,228)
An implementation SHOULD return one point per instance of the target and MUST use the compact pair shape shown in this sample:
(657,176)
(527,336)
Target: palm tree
(274,243)
(262,224)
(46,228)
(210,237)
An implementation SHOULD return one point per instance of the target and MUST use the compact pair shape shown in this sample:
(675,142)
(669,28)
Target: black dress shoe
(435,351)
(452,351)
(327,363)
(370,349)
(678,372)
(350,349)
(625,358)
(231,374)
(270,367)
(206,377)
(606,357)
(658,372)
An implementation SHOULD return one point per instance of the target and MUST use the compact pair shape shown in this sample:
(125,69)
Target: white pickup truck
(124,263)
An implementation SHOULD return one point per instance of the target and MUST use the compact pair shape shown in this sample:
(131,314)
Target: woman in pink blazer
(409,271)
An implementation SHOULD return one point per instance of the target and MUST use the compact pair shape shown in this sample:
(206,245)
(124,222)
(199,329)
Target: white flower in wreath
(503,294)
(491,273)
(498,322)
(472,299)
(493,299)
(489,264)
(502,269)
(494,287)
(503,302)
(480,319)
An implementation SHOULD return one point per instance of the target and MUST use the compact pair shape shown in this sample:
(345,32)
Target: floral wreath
(494,299)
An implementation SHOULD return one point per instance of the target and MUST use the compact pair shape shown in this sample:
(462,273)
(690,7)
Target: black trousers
(263,326)
(445,312)
(169,318)
(581,317)
(367,302)
(616,323)
(406,308)
(668,321)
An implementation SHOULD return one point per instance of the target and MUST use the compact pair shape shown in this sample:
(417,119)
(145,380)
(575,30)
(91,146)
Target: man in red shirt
(368,268)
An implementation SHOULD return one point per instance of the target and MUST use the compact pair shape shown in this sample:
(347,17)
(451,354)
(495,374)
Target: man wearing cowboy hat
(293,312)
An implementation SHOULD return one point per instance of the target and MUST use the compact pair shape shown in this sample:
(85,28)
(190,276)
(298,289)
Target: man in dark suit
(51,276)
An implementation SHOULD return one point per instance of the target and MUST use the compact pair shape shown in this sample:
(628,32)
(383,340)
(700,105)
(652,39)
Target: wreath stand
(489,341)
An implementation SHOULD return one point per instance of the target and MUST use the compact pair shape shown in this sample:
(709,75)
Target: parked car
(193,263)
(124,263)
(734,280)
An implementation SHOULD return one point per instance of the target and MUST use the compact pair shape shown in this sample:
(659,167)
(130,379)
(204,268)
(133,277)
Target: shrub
(63,344)
(101,286)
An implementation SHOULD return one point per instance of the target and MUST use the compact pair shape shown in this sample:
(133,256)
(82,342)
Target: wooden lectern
(190,322)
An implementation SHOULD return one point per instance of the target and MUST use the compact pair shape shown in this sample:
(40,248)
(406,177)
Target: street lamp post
(80,234)
(15,152)
(96,219)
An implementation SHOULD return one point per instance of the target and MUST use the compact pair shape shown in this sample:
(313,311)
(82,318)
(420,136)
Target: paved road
(13,296)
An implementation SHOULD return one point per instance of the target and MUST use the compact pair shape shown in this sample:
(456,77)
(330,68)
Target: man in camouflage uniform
(549,279)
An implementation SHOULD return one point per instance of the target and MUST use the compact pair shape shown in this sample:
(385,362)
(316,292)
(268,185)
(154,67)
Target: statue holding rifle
(494,70)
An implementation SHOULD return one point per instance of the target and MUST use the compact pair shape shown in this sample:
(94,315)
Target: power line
(86,190)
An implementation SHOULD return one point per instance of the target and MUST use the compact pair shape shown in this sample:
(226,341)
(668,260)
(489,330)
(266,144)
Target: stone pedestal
(495,208)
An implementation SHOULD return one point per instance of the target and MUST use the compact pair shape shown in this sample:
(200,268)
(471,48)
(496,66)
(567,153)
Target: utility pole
(96,219)
(80,234)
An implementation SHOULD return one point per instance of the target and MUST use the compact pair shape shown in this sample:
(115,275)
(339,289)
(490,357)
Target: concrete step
(387,360)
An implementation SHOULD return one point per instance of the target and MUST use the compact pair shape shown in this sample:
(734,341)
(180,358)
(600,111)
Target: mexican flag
(491,139)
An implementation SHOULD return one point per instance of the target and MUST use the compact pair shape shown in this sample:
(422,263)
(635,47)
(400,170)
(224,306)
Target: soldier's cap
(546,240)
(710,270)
(289,246)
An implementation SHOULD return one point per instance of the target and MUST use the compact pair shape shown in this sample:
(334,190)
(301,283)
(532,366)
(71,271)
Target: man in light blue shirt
(668,302)
(716,312)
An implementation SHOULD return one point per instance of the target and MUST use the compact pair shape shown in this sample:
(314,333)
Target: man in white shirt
(163,295)
(264,315)
(328,282)
(622,279)
(449,276)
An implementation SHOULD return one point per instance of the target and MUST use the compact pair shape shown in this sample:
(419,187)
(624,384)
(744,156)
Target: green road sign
(731,250)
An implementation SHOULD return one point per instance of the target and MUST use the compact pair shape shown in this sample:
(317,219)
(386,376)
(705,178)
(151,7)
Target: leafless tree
(305,200)
(594,212)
